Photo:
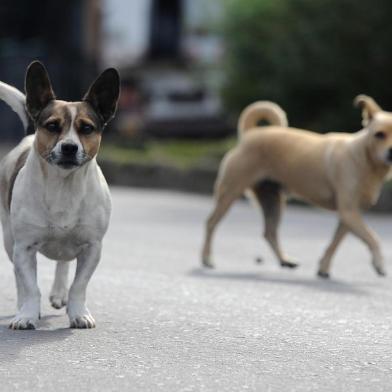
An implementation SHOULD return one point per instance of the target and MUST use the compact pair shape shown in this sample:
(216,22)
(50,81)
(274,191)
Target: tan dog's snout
(382,145)
(383,139)
(390,155)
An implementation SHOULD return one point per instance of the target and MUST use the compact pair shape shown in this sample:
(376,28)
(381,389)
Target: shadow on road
(311,283)
(12,343)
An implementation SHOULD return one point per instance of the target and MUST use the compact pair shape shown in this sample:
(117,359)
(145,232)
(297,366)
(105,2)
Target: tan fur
(45,140)
(18,166)
(7,178)
(337,171)
(263,110)
(91,142)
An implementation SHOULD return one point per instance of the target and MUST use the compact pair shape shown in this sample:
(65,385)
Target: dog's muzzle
(68,156)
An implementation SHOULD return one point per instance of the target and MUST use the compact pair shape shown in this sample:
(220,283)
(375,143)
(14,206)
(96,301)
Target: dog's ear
(103,94)
(369,108)
(38,88)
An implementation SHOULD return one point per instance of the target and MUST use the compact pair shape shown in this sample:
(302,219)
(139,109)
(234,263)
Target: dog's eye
(86,129)
(380,135)
(53,126)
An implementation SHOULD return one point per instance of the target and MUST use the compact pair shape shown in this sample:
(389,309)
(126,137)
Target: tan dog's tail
(258,111)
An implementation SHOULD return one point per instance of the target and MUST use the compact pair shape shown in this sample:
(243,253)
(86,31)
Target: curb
(197,180)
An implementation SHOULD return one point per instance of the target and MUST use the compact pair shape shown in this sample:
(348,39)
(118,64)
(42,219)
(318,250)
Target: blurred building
(167,51)
(136,30)
(169,54)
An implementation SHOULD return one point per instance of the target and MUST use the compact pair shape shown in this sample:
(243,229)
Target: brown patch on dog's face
(51,127)
(88,127)
(380,128)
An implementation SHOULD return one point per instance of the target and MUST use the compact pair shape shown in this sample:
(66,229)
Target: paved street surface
(165,324)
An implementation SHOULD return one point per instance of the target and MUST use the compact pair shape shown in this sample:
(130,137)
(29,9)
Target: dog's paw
(58,301)
(79,315)
(208,263)
(82,322)
(380,270)
(288,264)
(323,275)
(20,322)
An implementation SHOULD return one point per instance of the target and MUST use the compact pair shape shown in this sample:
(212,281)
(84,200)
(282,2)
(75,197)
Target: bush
(310,56)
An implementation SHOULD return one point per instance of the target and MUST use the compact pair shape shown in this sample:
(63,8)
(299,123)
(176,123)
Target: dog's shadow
(13,342)
(329,285)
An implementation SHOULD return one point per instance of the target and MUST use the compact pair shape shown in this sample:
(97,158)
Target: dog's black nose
(390,154)
(69,148)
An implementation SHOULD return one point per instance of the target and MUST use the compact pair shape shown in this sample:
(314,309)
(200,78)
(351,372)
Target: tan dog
(337,171)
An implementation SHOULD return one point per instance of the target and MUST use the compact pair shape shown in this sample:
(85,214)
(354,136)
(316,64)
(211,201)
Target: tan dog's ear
(369,108)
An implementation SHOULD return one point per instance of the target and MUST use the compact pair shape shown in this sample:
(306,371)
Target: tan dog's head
(68,134)
(379,125)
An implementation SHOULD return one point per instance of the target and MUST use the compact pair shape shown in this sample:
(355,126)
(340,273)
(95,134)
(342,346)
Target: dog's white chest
(62,234)
(63,225)
(62,215)
(62,242)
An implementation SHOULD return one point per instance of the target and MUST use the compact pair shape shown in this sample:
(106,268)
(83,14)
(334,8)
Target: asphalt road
(164,324)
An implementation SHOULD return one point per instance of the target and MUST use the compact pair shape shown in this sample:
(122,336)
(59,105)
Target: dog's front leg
(354,222)
(325,262)
(78,313)
(25,266)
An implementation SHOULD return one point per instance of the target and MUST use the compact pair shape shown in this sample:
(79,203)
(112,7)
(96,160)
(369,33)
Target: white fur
(16,100)
(62,214)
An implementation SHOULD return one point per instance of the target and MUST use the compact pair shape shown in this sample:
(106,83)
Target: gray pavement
(164,324)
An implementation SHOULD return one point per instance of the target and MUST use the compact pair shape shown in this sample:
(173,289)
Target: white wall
(125,31)
(126,25)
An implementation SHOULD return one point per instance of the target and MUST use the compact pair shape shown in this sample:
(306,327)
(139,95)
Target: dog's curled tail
(16,100)
(259,111)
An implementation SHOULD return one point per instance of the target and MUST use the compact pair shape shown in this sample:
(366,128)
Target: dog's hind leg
(59,292)
(233,178)
(325,262)
(270,197)
(223,203)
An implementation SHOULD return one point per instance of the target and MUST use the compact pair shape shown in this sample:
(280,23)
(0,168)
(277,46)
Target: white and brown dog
(54,198)
(338,171)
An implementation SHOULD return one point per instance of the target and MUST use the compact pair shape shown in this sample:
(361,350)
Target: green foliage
(180,154)
(310,56)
